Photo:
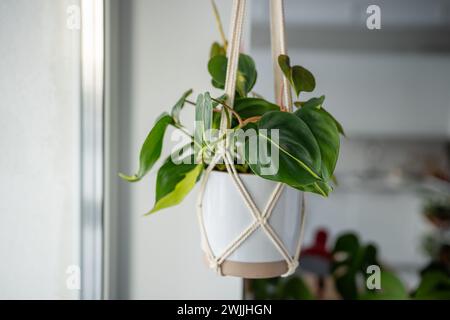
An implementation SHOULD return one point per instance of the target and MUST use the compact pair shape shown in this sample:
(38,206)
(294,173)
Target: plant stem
(238,117)
(282,107)
(184,130)
(249,120)
(186,133)
(219,24)
(194,104)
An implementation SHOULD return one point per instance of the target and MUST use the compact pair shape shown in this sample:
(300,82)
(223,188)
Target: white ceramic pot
(226,216)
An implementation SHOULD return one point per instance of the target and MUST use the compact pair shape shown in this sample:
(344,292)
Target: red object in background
(319,247)
(316,260)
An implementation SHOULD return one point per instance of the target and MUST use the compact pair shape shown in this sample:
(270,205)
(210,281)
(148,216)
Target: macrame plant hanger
(283,96)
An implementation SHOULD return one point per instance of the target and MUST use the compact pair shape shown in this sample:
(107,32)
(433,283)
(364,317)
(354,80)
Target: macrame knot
(262,221)
(214,264)
(221,150)
(292,266)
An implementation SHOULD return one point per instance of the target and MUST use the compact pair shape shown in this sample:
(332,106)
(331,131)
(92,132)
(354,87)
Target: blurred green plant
(437,210)
(291,288)
(349,273)
(434,285)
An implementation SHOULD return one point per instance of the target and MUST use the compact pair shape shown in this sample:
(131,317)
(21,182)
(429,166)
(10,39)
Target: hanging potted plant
(253,158)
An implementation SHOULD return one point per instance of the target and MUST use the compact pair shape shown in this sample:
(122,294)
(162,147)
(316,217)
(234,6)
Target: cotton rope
(261,219)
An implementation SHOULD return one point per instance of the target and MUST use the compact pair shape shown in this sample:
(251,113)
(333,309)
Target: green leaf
(311,103)
(300,78)
(295,288)
(218,101)
(322,188)
(298,158)
(391,289)
(151,149)
(203,117)
(434,285)
(217,85)
(246,76)
(326,133)
(321,124)
(217,50)
(216,120)
(217,67)
(350,260)
(252,107)
(318,103)
(217,115)
(285,65)
(174,182)
(266,289)
(292,288)
(346,265)
(179,105)
(338,125)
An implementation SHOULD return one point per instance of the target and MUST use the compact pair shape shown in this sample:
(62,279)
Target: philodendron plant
(306,142)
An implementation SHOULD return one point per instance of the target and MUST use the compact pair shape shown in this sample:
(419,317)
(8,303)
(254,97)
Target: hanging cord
(283,94)
(237,22)
(260,218)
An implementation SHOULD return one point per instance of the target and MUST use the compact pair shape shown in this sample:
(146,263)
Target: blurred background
(80,95)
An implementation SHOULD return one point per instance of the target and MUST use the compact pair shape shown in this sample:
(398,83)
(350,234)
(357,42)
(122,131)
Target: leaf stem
(219,24)
(194,104)
(249,120)
(186,132)
(190,102)
(230,109)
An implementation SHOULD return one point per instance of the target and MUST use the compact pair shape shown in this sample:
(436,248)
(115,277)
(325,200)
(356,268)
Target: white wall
(375,94)
(386,209)
(162,50)
(395,108)
(39,90)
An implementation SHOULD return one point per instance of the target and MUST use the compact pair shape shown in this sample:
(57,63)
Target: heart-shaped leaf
(346,265)
(151,149)
(318,103)
(322,188)
(338,125)
(351,259)
(291,149)
(252,107)
(179,105)
(326,133)
(246,76)
(217,50)
(300,78)
(174,182)
(217,67)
